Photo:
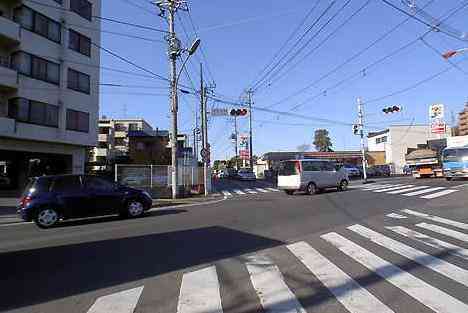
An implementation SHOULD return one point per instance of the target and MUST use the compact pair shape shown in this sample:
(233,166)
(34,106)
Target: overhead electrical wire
(439,54)
(288,40)
(307,43)
(307,31)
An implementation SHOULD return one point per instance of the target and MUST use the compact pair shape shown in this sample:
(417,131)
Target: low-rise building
(397,140)
(463,121)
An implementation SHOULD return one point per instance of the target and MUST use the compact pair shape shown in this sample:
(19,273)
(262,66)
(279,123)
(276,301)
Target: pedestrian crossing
(247,191)
(408,190)
(390,253)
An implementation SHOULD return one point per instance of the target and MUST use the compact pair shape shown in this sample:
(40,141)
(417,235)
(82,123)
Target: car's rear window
(287,168)
(37,185)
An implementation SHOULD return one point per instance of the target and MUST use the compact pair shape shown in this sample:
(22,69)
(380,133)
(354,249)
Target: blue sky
(240,37)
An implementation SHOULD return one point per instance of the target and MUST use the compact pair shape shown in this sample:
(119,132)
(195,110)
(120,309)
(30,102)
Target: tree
(322,141)
(303,148)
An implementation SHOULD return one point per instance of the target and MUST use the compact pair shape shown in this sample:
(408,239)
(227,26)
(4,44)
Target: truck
(425,163)
(455,158)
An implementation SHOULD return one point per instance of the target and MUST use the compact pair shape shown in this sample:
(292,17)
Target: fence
(157,179)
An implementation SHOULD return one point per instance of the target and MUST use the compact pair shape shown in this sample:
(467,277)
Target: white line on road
(261,190)
(373,187)
(444,231)
(397,216)
(267,280)
(436,264)
(407,189)
(239,192)
(199,292)
(420,192)
(437,219)
(460,186)
(227,193)
(430,241)
(347,291)
(428,295)
(250,191)
(439,194)
(272,189)
(393,188)
(119,302)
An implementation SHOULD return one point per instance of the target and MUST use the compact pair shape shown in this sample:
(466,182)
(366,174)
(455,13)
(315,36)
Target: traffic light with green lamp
(392,109)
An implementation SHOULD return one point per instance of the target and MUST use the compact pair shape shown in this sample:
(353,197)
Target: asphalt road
(258,250)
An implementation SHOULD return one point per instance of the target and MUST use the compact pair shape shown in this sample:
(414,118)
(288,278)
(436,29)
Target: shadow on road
(40,275)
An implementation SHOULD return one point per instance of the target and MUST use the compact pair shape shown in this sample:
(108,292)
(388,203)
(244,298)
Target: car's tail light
(25,201)
(298,167)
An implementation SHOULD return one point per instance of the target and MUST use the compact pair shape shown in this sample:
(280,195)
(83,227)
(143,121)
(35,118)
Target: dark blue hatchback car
(48,199)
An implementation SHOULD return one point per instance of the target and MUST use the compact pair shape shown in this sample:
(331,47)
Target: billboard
(436,117)
(244,152)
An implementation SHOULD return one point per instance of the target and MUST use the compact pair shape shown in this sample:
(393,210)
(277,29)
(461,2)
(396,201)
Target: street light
(447,55)
(190,51)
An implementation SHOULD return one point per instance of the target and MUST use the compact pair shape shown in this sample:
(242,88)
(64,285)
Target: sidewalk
(8,206)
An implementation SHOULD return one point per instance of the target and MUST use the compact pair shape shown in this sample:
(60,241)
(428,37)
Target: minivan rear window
(288,168)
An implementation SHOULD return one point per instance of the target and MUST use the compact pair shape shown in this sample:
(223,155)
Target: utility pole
(249,99)
(204,126)
(361,133)
(235,142)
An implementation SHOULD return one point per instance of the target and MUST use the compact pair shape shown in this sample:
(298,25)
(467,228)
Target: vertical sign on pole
(436,116)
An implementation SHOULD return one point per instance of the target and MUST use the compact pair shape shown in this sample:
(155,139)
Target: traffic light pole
(249,95)
(235,141)
(361,133)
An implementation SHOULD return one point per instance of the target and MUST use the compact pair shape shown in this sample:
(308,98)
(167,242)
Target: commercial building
(397,141)
(463,121)
(49,77)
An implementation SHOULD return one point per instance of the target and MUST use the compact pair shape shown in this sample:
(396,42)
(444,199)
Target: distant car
(231,172)
(48,199)
(407,170)
(223,174)
(383,170)
(245,174)
(352,170)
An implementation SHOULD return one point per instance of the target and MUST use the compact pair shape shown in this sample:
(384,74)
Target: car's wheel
(135,208)
(312,189)
(448,178)
(289,192)
(46,218)
(343,185)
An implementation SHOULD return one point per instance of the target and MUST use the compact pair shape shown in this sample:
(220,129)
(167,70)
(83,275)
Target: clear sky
(240,37)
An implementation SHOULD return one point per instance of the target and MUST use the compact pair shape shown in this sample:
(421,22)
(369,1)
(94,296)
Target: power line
(331,34)
(308,30)
(112,20)
(291,36)
(140,7)
(439,54)
(298,52)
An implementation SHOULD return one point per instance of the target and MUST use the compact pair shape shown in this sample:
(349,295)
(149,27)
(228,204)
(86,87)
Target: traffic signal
(393,109)
(355,129)
(238,112)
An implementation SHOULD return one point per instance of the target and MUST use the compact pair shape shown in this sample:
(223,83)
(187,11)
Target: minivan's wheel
(46,218)
(343,185)
(135,208)
(311,189)
(289,192)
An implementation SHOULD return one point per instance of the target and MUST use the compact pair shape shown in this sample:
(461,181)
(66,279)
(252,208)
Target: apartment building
(463,121)
(113,139)
(49,77)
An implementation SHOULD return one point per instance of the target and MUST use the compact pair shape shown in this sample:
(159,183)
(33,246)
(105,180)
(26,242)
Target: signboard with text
(436,117)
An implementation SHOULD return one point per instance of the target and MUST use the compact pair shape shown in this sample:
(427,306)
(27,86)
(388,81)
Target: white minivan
(311,176)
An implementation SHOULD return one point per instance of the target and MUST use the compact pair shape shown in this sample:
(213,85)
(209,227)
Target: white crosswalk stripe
(272,189)
(406,190)
(437,219)
(199,292)
(119,302)
(250,191)
(226,193)
(444,231)
(396,216)
(420,192)
(436,264)
(439,194)
(239,192)
(430,241)
(392,188)
(426,294)
(373,187)
(261,190)
(347,291)
(275,296)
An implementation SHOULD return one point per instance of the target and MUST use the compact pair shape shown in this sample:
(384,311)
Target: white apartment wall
(372,144)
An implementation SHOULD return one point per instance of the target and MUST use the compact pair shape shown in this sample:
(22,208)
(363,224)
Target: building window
(38,23)
(34,112)
(77,121)
(82,7)
(133,126)
(120,127)
(36,67)
(102,145)
(381,139)
(78,81)
(119,141)
(104,130)
(79,43)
